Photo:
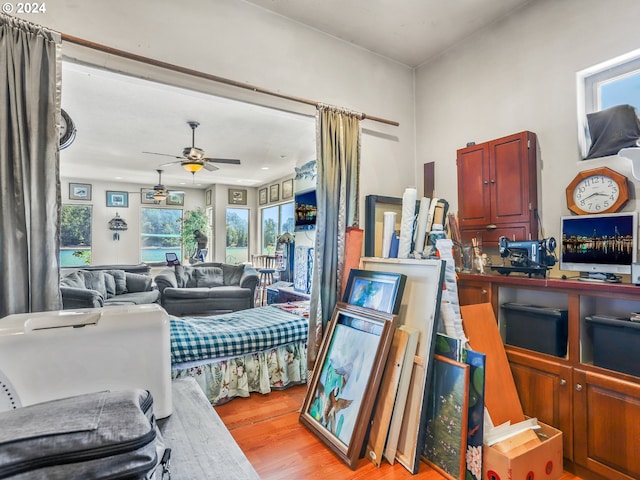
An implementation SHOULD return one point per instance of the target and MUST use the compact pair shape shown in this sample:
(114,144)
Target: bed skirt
(225,379)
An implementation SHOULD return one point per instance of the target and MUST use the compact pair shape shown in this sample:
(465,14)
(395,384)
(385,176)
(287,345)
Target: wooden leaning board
(501,397)
(393,392)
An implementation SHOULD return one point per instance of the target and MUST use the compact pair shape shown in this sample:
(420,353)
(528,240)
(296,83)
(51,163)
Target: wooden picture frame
(176,199)
(117,199)
(80,191)
(146,197)
(380,291)
(237,196)
(348,371)
(287,189)
(262,196)
(274,192)
(447,415)
(208,198)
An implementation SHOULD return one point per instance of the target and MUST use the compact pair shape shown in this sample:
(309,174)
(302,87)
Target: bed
(235,354)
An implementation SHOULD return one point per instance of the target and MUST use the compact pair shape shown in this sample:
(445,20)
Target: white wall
(520,74)
(236,40)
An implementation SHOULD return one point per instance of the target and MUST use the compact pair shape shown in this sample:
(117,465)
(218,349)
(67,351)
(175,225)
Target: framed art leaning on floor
(340,398)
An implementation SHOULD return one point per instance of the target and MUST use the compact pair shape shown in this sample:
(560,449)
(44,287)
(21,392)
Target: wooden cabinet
(606,426)
(472,292)
(497,189)
(544,388)
(597,409)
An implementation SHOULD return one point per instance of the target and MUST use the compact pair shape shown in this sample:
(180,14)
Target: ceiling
(140,116)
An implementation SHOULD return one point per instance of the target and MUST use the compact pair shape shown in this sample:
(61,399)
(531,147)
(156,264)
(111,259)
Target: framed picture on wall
(175,199)
(207,198)
(287,189)
(117,199)
(274,192)
(262,196)
(79,191)
(237,196)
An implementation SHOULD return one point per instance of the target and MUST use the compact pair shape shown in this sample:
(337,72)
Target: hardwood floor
(267,429)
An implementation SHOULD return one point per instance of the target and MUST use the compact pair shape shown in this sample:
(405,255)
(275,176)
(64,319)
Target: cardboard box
(541,462)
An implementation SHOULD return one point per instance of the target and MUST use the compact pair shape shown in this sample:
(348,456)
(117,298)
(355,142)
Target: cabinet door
(512,167)
(472,292)
(607,430)
(473,186)
(544,388)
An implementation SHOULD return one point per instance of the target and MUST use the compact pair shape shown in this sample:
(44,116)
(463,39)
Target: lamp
(192,167)
(159,195)
(117,224)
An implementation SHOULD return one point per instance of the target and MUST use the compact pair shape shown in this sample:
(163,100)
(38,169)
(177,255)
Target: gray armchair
(206,288)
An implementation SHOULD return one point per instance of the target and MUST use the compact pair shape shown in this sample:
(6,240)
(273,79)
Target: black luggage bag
(103,435)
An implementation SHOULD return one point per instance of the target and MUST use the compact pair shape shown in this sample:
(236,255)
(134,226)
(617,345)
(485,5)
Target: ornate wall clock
(599,190)
(67,130)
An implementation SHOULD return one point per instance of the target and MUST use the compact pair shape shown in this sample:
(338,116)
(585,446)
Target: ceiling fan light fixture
(192,167)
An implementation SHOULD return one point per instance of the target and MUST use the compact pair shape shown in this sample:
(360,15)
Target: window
(614,82)
(276,220)
(237,248)
(160,234)
(75,235)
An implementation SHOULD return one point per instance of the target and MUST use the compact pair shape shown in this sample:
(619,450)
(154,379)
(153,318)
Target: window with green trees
(237,249)
(75,235)
(276,220)
(160,232)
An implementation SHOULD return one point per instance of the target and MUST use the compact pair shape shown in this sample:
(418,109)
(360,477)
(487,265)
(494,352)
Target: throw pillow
(72,280)
(138,283)
(232,274)
(94,280)
(110,285)
(184,276)
(208,277)
(121,281)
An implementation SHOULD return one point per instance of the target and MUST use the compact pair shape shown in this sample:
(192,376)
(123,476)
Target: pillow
(138,283)
(208,277)
(184,276)
(94,281)
(121,281)
(73,280)
(110,285)
(232,274)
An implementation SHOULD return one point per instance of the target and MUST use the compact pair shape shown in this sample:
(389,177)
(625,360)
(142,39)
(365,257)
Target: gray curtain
(29,173)
(338,149)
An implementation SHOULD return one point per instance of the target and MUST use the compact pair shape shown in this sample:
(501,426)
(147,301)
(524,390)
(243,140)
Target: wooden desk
(201,446)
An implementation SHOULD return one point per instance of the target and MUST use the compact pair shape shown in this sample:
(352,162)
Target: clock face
(67,130)
(600,190)
(596,194)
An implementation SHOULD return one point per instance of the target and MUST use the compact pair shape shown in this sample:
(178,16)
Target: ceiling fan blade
(229,161)
(208,166)
(163,154)
(171,163)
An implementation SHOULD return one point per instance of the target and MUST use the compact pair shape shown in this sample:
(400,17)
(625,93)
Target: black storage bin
(615,343)
(533,327)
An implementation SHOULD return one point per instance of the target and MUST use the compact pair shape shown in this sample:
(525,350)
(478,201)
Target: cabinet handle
(578,387)
(483,291)
(493,181)
(563,382)
(491,227)
(485,182)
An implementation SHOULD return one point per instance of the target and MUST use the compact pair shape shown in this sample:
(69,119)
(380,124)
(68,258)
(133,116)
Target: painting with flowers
(447,414)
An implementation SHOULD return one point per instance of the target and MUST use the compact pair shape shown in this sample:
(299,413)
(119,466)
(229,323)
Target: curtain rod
(207,76)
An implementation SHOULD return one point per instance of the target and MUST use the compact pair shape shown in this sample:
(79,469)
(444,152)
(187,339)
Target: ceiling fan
(160,192)
(193,159)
